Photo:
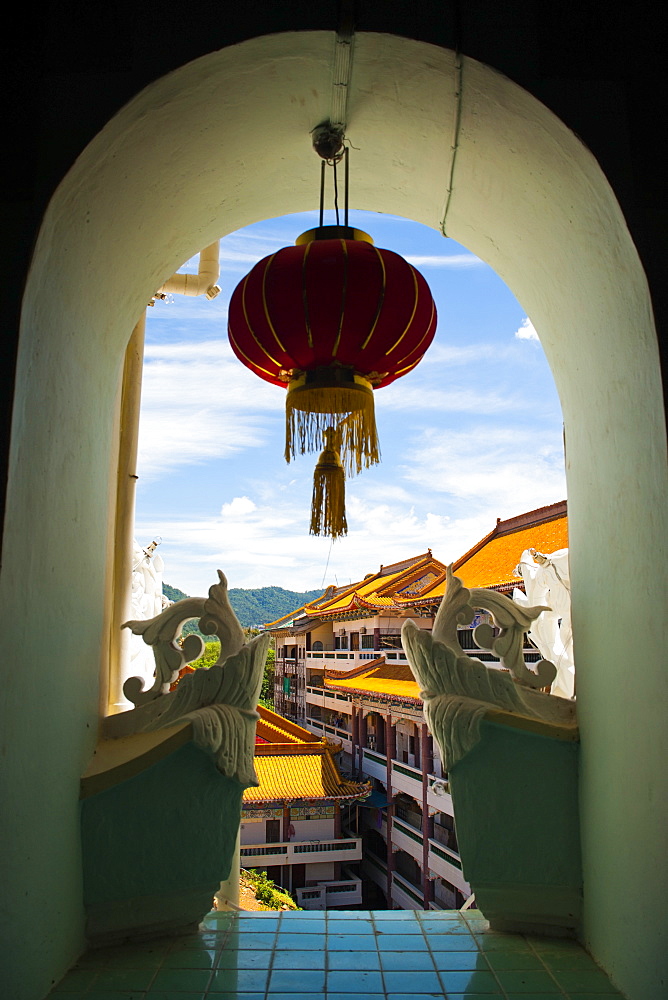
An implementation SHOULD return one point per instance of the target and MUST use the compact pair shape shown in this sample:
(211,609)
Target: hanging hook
(328,141)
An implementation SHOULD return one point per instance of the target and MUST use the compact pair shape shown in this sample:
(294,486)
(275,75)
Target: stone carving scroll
(162,632)
(458,690)
(220,702)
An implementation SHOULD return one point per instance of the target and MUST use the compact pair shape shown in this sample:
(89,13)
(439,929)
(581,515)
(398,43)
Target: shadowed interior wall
(176,169)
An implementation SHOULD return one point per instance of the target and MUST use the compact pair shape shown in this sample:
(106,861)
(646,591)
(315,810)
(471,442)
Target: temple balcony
(408,838)
(320,728)
(375,764)
(326,895)
(294,853)
(407,779)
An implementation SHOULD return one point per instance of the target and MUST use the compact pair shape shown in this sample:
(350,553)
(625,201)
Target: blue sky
(472,434)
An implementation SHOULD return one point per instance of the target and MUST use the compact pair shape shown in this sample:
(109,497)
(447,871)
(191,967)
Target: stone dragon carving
(220,702)
(458,690)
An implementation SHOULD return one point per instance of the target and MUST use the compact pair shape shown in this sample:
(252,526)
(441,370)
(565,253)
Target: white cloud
(452,355)
(199,404)
(526,330)
(509,469)
(237,508)
(261,543)
(421,397)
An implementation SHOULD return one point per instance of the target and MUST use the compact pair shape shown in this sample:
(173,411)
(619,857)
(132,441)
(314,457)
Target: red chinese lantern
(332,319)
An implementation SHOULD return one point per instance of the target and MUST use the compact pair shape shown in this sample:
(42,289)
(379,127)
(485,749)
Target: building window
(367,642)
(390,641)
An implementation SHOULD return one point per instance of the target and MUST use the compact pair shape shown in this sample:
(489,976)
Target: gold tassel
(332,398)
(328,507)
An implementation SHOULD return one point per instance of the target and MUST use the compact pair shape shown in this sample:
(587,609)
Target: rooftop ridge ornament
(332,319)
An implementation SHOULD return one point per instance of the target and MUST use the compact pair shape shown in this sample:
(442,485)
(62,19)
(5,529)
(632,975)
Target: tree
(267,692)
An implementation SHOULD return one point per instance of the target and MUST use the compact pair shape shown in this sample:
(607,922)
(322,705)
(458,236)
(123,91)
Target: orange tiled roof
(492,560)
(363,591)
(389,679)
(493,564)
(311,774)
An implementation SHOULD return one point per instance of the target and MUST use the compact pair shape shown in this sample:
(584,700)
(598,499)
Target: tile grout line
(493,971)
(545,966)
(380,964)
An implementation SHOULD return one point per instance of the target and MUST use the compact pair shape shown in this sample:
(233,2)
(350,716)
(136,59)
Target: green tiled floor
(384,955)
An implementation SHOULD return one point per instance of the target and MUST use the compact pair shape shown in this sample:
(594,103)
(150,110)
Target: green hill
(256,606)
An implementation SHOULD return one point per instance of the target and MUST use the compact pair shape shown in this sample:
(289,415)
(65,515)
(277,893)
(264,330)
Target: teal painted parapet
(156,847)
(515,798)
(511,752)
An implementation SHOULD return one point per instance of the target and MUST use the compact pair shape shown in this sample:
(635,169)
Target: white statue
(147,601)
(547,581)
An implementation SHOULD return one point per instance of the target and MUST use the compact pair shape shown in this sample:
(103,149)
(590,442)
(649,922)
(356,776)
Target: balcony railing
(447,865)
(408,839)
(287,853)
(404,886)
(408,830)
(445,853)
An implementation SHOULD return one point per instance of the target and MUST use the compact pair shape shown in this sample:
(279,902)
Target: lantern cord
(322,193)
(329,556)
(336,194)
(347,180)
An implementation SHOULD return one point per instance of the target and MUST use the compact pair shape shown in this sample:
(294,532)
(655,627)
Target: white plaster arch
(224,141)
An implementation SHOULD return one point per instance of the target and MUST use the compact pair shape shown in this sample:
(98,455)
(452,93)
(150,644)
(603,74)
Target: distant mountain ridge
(259,605)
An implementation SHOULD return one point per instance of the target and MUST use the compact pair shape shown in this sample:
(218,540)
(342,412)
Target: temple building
(295,823)
(342,673)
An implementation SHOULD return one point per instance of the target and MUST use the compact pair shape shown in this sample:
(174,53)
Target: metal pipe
(119,658)
(202,283)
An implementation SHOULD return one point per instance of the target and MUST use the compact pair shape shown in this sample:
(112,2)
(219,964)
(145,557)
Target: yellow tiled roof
(378,590)
(363,590)
(395,680)
(273,728)
(308,775)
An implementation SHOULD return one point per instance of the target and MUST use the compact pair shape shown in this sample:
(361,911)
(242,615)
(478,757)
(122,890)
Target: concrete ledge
(117,760)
